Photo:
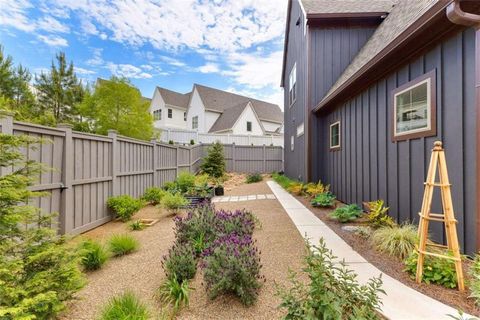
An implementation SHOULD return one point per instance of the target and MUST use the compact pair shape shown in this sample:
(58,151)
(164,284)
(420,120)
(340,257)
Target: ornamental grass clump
(92,255)
(125,307)
(332,291)
(124,206)
(122,244)
(398,241)
(175,293)
(232,265)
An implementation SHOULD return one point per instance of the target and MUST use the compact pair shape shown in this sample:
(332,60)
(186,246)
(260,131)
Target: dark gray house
(369,86)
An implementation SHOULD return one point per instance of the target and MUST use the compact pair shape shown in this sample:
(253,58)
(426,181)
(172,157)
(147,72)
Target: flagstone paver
(251,197)
(400,302)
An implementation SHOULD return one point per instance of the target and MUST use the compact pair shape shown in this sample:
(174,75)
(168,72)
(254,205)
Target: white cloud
(54,41)
(97,59)
(13,13)
(173,61)
(83,71)
(209,68)
(50,24)
(128,71)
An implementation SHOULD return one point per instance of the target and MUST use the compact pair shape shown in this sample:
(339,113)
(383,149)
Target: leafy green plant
(474,284)
(124,206)
(461,316)
(170,141)
(180,263)
(192,142)
(325,199)
(398,241)
(173,202)
(313,189)
(185,181)
(232,265)
(435,270)
(282,180)
(333,291)
(38,270)
(136,225)
(377,214)
(214,163)
(125,307)
(153,195)
(122,244)
(346,213)
(92,255)
(254,177)
(175,293)
(296,188)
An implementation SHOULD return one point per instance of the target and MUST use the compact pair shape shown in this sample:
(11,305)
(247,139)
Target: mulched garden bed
(393,266)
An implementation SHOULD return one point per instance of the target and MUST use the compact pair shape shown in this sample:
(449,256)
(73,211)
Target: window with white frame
(249,126)
(292,85)
(184,116)
(157,114)
(292,143)
(195,122)
(170,113)
(413,105)
(335,135)
(300,129)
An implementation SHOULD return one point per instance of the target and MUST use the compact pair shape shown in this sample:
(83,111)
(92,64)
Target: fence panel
(88,168)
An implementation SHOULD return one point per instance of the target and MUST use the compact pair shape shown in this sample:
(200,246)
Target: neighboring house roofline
(422,28)
(249,104)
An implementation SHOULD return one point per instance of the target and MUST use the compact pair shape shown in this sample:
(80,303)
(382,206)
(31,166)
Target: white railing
(185,136)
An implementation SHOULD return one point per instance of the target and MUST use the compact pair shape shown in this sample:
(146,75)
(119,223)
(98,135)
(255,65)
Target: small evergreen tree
(214,163)
(37,271)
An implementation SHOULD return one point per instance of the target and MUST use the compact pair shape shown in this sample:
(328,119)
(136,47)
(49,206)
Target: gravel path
(281,248)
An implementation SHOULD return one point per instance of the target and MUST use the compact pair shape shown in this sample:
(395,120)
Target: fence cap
(112,131)
(65,125)
(7,113)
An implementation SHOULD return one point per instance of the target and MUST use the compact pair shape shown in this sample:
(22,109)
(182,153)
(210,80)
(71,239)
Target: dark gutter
(285,44)
(456,15)
(425,22)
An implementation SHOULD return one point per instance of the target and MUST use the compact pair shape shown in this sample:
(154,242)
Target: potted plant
(219,191)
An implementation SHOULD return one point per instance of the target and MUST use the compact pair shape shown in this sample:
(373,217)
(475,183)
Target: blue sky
(233,45)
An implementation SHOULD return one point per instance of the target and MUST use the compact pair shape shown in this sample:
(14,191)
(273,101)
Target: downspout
(456,15)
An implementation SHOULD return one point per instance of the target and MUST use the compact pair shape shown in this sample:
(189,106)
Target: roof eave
(431,16)
(347,15)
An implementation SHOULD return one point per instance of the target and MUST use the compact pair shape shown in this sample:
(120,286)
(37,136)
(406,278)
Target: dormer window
(292,86)
(249,126)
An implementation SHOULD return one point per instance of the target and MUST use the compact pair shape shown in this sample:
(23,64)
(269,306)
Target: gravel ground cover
(281,246)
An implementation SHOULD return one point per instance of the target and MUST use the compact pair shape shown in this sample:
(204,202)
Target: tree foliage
(214,163)
(116,104)
(37,271)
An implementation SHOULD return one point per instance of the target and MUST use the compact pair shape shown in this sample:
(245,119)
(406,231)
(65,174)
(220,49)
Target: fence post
(154,162)
(234,169)
(6,127)
(66,216)
(115,162)
(264,159)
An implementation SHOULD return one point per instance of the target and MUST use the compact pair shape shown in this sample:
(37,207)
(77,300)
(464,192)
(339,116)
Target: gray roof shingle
(219,100)
(347,6)
(228,118)
(404,14)
(174,98)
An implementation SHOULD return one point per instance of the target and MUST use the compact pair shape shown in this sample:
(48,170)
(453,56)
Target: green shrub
(180,262)
(38,270)
(332,292)
(124,206)
(398,241)
(170,141)
(153,195)
(122,244)
(136,225)
(214,163)
(282,180)
(173,202)
(313,189)
(325,199)
(175,293)
(346,213)
(435,270)
(255,177)
(377,214)
(474,284)
(125,307)
(185,181)
(192,142)
(92,255)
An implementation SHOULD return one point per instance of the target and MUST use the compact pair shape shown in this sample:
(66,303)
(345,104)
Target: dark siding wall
(370,166)
(332,50)
(295,115)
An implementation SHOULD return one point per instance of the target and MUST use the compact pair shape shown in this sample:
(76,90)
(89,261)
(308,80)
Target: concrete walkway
(401,302)
(244,198)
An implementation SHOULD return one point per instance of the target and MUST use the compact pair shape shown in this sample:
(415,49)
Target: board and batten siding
(331,51)
(295,115)
(371,166)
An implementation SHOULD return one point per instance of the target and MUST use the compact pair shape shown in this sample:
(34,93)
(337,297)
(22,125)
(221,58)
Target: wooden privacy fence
(88,168)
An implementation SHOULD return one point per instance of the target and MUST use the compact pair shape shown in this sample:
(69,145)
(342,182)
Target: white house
(210,110)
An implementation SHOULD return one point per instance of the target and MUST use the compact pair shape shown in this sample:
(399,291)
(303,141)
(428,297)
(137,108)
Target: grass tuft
(398,241)
(122,244)
(125,307)
(92,255)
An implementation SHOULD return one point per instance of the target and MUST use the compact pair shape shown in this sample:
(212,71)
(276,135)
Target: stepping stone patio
(244,198)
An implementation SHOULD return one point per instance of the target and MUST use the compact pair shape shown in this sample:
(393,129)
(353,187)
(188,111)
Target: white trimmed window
(335,135)
(157,115)
(292,143)
(413,105)
(300,129)
(292,85)
(249,126)
(195,122)
(170,113)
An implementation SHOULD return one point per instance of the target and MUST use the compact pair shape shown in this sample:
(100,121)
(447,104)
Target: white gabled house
(209,110)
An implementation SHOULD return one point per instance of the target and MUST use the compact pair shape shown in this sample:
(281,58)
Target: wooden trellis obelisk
(447,217)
